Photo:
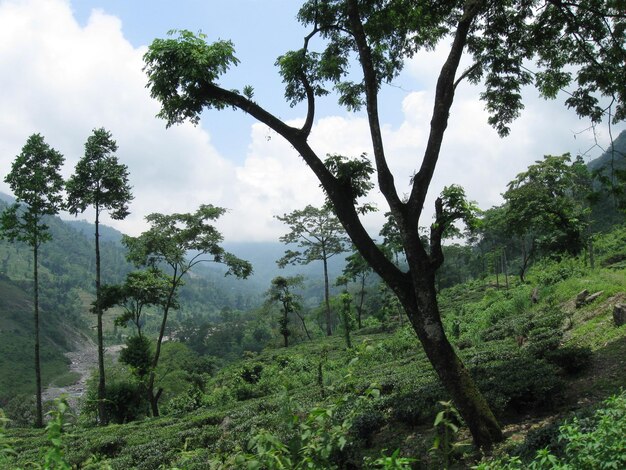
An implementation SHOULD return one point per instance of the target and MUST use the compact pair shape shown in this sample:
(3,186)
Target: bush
(125,401)
(599,446)
(550,272)
(519,383)
(20,411)
(419,406)
(571,359)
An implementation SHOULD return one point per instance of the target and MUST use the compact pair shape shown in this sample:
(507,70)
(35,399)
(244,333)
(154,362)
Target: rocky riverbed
(83,360)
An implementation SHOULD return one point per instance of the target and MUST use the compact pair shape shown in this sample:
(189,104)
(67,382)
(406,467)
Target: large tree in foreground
(503,39)
(176,243)
(101,182)
(36,182)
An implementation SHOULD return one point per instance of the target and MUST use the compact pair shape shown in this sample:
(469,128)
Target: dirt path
(82,361)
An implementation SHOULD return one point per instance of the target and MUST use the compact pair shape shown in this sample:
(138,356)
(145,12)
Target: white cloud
(63,79)
(66,79)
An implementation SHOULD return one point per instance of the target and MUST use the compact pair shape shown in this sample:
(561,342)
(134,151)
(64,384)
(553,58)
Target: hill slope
(537,363)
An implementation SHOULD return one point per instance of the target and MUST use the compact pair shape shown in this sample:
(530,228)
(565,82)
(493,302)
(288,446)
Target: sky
(70,66)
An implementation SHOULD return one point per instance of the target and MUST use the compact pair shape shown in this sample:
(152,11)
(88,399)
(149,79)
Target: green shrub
(549,272)
(571,359)
(20,411)
(125,401)
(519,383)
(603,447)
(418,406)
(587,444)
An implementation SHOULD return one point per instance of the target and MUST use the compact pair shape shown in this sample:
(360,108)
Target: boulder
(619,314)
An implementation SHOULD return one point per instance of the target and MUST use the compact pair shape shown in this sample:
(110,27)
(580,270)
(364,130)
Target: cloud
(66,79)
(63,79)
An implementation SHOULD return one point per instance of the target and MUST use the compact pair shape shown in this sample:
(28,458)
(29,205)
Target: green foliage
(599,446)
(179,67)
(548,201)
(5,449)
(317,231)
(446,425)
(140,289)
(171,237)
(54,456)
(316,442)
(125,397)
(99,179)
(138,355)
(281,291)
(35,180)
(354,174)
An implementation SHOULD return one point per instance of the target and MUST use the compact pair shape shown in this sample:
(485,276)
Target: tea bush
(599,443)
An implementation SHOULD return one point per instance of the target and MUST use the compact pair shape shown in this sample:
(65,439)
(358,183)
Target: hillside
(67,264)
(538,364)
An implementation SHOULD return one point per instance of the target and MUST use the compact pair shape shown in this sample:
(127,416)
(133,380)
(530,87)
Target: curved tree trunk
(426,321)
(153,398)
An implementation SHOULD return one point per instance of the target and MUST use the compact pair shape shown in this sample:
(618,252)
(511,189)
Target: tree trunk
(152,397)
(329,330)
(39,415)
(306,330)
(359,308)
(504,268)
(425,318)
(592,256)
(102,414)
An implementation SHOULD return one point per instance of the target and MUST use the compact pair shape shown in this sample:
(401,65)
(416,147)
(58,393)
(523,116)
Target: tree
(140,289)
(179,242)
(345,313)
(281,291)
(502,39)
(358,270)
(547,208)
(99,180)
(320,236)
(36,181)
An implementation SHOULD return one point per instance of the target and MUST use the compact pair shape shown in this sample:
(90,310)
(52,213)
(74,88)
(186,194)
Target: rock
(593,297)
(619,314)
(581,298)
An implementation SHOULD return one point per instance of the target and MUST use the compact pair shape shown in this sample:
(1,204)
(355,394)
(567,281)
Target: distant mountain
(107,234)
(604,212)
(615,155)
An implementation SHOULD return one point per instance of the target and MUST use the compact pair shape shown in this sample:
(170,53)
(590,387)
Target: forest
(487,338)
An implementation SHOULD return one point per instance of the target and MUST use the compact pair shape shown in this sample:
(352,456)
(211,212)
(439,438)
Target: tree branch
(444,97)
(385,177)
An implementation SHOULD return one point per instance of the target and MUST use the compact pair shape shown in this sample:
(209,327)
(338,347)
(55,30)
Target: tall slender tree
(502,41)
(101,182)
(178,242)
(358,270)
(321,236)
(36,182)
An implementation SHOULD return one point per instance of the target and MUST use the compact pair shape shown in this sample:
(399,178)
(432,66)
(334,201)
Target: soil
(83,360)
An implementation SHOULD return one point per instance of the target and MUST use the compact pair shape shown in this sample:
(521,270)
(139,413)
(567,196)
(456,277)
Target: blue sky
(67,67)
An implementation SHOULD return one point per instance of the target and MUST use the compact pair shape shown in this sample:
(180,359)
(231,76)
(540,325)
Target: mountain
(610,164)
